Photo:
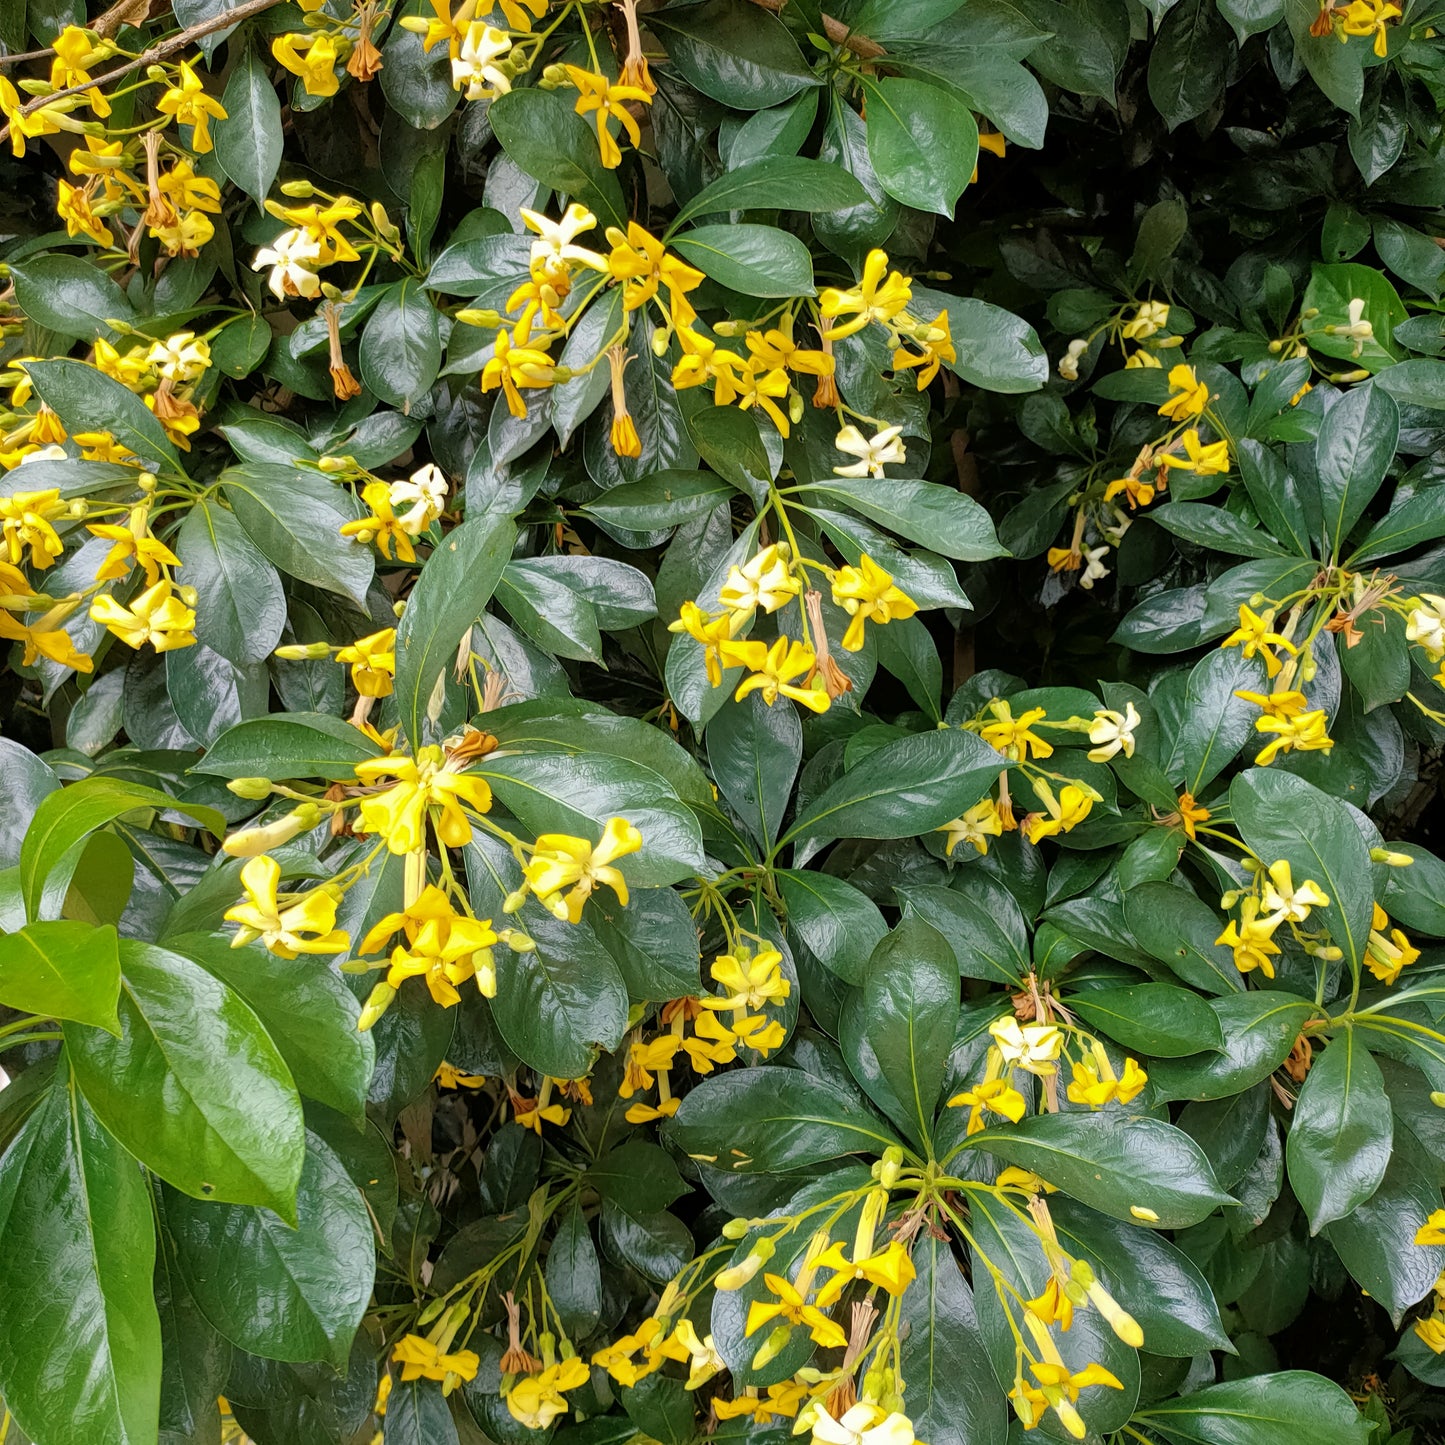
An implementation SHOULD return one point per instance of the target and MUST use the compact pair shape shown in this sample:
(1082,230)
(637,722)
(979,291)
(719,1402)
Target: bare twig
(838,33)
(158,52)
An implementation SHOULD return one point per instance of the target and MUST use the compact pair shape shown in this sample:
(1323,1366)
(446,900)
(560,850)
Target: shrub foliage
(720,720)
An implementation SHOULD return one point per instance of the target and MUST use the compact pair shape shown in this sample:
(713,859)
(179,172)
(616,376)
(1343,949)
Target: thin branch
(837,32)
(124,12)
(161,51)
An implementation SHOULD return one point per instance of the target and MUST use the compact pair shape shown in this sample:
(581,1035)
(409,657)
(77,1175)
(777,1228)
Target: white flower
(1359,329)
(703,1359)
(425,493)
(1094,570)
(289,257)
(1113,732)
(1293,904)
(1069,361)
(52,453)
(863,1424)
(553,250)
(1426,625)
(1032,1047)
(180,358)
(473,70)
(873,453)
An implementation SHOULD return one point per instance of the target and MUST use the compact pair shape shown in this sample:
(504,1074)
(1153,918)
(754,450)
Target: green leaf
(87,400)
(996,349)
(417,84)
(1282,816)
(574,1275)
(1337,69)
(65,817)
(902,789)
(307,1010)
(1275,495)
(80,1339)
(249,140)
(1214,528)
(290,745)
(193,1085)
(1356,445)
(1340,1133)
(62,970)
(753,260)
(852,228)
(730,51)
(241,609)
(1259,1031)
(772,1119)
(1327,300)
(417,1414)
(1414,383)
(838,924)
(928,513)
(401,347)
(542,133)
(952,1398)
(1420,518)
(561,1003)
(1415,895)
(977,929)
(1189,61)
(908,1012)
(1175,927)
(1251,17)
(1260,1410)
(454,587)
(776,183)
(665,499)
(295,518)
(653,942)
(1155,1018)
(1215,724)
(282,1292)
(754,751)
(1154,1281)
(1113,1161)
(923,142)
(70,296)
(1376,1242)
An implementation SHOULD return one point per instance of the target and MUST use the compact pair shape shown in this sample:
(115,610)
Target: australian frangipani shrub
(721,721)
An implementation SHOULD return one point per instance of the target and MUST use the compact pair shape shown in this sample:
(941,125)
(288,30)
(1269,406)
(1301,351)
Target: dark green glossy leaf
(731,52)
(753,260)
(62,970)
(1259,1030)
(754,751)
(1260,1410)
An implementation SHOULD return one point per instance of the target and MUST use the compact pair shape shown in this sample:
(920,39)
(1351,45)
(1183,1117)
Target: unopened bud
(887,1169)
(253,788)
(376,1005)
(473,316)
(735,1229)
(1391,860)
(776,1342)
(661,340)
(1349,376)
(795,406)
(552,77)
(298,190)
(252,842)
(1438,1099)
(303,651)
(336,464)
(188,595)
(737,1275)
(513,901)
(77,508)
(146,481)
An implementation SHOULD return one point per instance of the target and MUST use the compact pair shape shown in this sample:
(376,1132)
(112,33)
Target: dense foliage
(722,720)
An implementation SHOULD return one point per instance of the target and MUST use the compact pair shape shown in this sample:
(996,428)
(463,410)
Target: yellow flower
(711,632)
(187,191)
(1013,736)
(448,1076)
(641,262)
(1284,704)
(772,670)
(1096,1084)
(701,1355)
(1252,938)
(1064,814)
(1031,1047)
(25,522)
(1433,1229)
(753,385)
(776,350)
(1432,1331)
(421,784)
(1191,814)
(133,542)
(1305,733)
(996,1094)
(618,1357)
(73,206)
(75,52)
(373,662)
(156,616)
(322,224)
(861,1424)
(316,68)
(1256,635)
(563,862)
(189,104)
(752,980)
(383,527)
(1369,17)
(1151,316)
(1207,461)
(977,826)
(1189,396)
(1386,956)
(1138,491)
(1113,732)
(537,1400)
(44,637)
(878,296)
(515,365)
(789,1305)
(420,1359)
(516,12)
(936,339)
(866,592)
(604,101)
(1292,903)
(443,946)
(284,930)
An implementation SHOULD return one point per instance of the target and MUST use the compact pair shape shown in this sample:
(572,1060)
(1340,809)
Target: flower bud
(303,651)
(513,901)
(776,1342)
(253,788)
(298,190)
(473,316)
(795,406)
(252,842)
(376,1005)
(188,595)
(887,1169)
(737,1275)
(735,1229)
(1389,859)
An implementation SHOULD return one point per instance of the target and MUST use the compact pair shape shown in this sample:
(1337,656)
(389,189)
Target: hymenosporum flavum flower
(563,871)
(307,924)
